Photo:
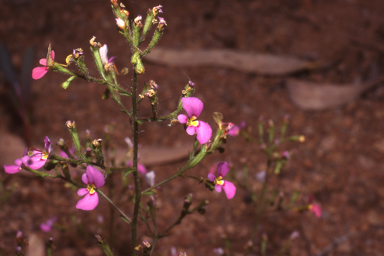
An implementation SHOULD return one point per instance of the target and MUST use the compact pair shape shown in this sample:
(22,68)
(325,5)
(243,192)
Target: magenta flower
(47,226)
(229,187)
(39,72)
(193,106)
(36,158)
(94,179)
(11,169)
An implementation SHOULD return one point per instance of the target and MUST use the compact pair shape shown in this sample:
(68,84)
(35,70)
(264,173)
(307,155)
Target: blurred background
(320,62)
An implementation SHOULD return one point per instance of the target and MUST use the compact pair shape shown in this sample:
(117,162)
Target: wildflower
(137,21)
(235,131)
(11,169)
(36,158)
(47,226)
(108,63)
(193,106)
(120,23)
(94,179)
(219,251)
(39,72)
(229,187)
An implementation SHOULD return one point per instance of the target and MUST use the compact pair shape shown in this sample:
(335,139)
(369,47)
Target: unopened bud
(97,142)
(120,23)
(124,71)
(60,142)
(301,138)
(137,21)
(114,3)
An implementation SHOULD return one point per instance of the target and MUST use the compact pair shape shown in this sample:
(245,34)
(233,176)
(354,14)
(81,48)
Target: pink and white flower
(193,106)
(39,72)
(229,187)
(94,179)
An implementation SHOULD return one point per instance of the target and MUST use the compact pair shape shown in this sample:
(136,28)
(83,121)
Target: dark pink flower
(229,187)
(36,158)
(39,72)
(94,179)
(193,106)
(47,226)
(234,131)
(11,169)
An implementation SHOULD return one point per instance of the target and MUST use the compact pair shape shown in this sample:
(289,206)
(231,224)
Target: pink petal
(63,154)
(11,169)
(182,118)
(88,202)
(191,130)
(53,55)
(34,162)
(48,144)
(234,131)
(229,189)
(218,188)
(141,168)
(204,132)
(82,192)
(84,178)
(39,72)
(211,176)
(43,62)
(193,106)
(222,168)
(95,176)
(18,162)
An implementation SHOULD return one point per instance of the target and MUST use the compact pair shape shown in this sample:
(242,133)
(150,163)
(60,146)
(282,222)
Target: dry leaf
(264,64)
(313,96)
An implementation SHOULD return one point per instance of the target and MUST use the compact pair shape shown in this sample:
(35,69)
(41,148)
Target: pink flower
(94,179)
(235,131)
(39,72)
(229,187)
(36,158)
(193,106)
(108,63)
(316,209)
(11,169)
(47,226)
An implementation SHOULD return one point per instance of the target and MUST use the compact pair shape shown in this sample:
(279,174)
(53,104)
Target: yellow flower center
(219,181)
(91,188)
(192,121)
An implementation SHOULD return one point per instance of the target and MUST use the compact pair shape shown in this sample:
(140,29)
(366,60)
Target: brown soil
(341,163)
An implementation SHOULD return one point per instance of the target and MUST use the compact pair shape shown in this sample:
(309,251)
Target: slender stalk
(117,208)
(135,173)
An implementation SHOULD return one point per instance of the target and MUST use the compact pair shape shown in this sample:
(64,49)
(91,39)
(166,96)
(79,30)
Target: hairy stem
(135,173)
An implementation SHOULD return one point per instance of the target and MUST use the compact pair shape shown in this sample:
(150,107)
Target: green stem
(113,204)
(135,173)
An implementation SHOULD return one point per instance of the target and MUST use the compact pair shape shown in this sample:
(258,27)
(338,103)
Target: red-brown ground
(341,163)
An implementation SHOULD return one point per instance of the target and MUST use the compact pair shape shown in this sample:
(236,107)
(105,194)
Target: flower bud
(120,23)
(161,24)
(70,124)
(137,21)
